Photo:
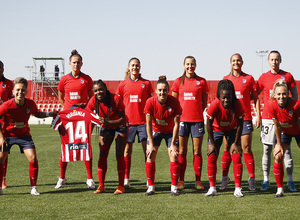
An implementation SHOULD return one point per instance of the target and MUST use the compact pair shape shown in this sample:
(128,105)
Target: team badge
(27,110)
(143,85)
(82,81)
(3,85)
(283,77)
(291,113)
(169,109)
(197,83)
(244,81)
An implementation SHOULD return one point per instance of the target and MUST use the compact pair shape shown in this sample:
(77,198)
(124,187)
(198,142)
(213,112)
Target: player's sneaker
(90,183)
(211,192)
(150,191)
(101,189)
(180,185)
(251,182)
(126,184)
(4,185)
(238,192)
(198,185)
(33,191)
(174,191)
(279,193)
(290,185)
(60,182)
(119,190)
(265,186)
(225,182)
(1,191)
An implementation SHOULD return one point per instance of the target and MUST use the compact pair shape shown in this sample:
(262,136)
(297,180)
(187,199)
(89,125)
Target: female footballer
(225,119)
(192,92)
(162,116)
(134,90)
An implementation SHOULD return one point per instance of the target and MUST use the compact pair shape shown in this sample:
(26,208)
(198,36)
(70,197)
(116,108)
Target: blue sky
(161,33)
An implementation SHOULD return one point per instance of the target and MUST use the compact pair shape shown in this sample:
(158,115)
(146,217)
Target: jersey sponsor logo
(238,95)
(161,122)
(27,110)
(225,123)
(285,125)
(78,146)
(188,96)
(134,98)
(74,95)
(20,125)
(75,113)
(142,85)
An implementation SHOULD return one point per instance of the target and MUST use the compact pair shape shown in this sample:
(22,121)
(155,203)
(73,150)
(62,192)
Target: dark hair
(184,73)
(275,51)
(21,80)
(162,80)
(75,53)
(228,86)
(107,98)
(127,73)
(236,54)
(1,64)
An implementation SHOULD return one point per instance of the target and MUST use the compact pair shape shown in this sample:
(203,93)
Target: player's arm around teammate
(111,111)
(285,113)
(162,120)
(192,92)
(245,89)
(134,90)
(15,130)
(225,119)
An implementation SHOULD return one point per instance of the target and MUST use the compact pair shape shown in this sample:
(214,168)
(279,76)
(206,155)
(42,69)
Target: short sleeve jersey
(266,82)
(16,117)
(224,119)
(75,90)
(163,114)
(244,85)
(6,87)
(190,97)
(135,94)
(75,127)
(287,116)
(112,112)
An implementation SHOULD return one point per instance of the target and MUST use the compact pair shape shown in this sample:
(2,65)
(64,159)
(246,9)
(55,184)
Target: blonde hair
(127,72)
(279,83)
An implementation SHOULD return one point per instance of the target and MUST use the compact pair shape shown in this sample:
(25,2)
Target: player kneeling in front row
(162,122)
(15,130)
(225,119)
(285,113)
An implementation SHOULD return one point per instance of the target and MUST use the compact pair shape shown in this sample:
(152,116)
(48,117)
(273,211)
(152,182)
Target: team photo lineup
(179,113)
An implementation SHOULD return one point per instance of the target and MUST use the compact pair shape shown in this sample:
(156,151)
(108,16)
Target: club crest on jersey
(197,82)
(143,85)
(291,113)
(3,85)
(169,109)
(283,77)
(27,110)
(244,81)
(82,81)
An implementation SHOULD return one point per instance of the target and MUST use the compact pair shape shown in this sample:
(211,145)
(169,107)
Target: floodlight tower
(262,54)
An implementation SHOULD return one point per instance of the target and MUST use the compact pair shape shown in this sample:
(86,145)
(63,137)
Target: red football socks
(33,172)
(174,170)
(89,166)
(237,169)
(150,172)
(279,173)
(121,170)
(249,161)
(212,169)
(182,166)
(197,166)
(63,168)
(127,167)
(226,160)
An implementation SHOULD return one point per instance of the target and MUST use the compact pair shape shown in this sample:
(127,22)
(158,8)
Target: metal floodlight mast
(262,54)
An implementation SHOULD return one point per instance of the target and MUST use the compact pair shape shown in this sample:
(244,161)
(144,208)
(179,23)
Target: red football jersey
(75,90)
(16,117)
(266,82)
(224,119)
(287,116)
(75,128)
(190,97)
(244,85)
(163,114)
(6,87)
(135,94)
(116,106)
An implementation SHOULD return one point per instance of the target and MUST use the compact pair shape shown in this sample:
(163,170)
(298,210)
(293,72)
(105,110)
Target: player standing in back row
(75,88)
(192,92)
(265,84)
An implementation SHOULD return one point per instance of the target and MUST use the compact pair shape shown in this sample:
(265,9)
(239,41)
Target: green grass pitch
(76,201)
